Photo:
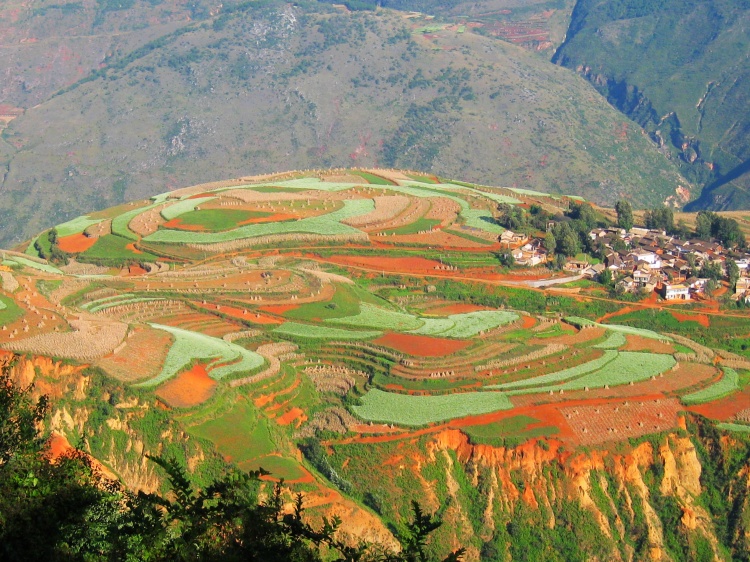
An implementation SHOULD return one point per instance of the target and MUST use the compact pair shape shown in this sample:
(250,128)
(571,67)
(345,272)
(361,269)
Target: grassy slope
(252,92)
(675,54)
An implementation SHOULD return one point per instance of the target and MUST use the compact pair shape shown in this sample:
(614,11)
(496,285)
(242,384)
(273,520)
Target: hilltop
(261,87)
(359,333)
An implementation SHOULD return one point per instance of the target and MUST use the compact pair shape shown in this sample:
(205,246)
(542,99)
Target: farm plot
(310,331)
(372,316)
(613,341)
(189,346)
(560,376)
(75,226)
(182,207)
(576,321)
(461,326)
(628,367)
(482,220)
(324,225)
(141,358)
(90,339)
(404,409)
(113,247)
(728,383)
(188,389)
(120,222)
(9,310)
(387,207)
(19,260)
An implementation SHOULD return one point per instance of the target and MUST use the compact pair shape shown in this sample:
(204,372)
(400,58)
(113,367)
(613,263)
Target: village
(641,261)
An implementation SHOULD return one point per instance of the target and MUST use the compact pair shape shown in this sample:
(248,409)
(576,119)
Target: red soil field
(136,270)
(702,319)
(421,346)
(726,408)
(278,308)
(132,248)
(295,414)
(75,243)
(639,343)
(187,389)
(528,322)
(448,309)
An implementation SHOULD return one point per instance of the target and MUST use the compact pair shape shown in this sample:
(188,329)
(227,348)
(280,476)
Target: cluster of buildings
(642,261)
(653,260)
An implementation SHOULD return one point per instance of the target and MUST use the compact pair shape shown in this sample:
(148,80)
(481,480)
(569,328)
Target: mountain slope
(680,69)
(271,86)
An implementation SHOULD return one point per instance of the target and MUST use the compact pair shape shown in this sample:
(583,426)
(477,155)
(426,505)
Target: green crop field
(613,341)
(240,433)
(404,409)
(560,376)
(217,220)
(461,326)
(729,383)
(419,225)
(226,358)
(508,431)
(9,310)
(372,316)
(47,268)
(345,302)
(372,178)
(628,367)
(311,331)
(114,247)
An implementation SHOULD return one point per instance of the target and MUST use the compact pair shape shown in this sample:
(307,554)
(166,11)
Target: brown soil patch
(136,270)
(435,238)
(702,319)
(187,389)
(639,343)
(406,265)
(141,358)
(243,314)
(422,346)
(75,243)
(132,248)
(447,310)
(572,339)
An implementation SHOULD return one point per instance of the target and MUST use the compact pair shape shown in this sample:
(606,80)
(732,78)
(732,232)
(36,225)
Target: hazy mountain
(271,86)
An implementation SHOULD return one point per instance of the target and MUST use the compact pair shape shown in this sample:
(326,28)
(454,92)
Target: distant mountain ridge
(680,69)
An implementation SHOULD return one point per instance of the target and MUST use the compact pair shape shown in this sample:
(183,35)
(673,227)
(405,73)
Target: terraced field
(353,323)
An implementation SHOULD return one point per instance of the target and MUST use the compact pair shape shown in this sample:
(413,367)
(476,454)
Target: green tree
(624,214)
(550,242)
(733,272)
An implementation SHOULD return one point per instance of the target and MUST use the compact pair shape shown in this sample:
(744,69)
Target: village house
(678,291)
